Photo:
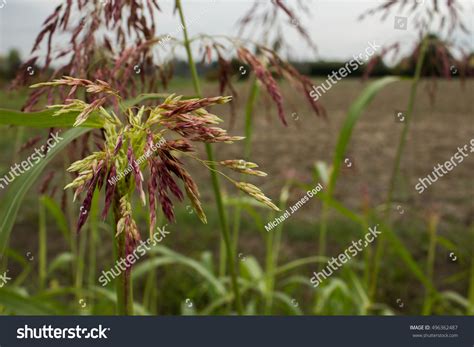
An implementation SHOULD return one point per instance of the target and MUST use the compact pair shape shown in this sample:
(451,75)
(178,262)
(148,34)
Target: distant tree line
(11,62)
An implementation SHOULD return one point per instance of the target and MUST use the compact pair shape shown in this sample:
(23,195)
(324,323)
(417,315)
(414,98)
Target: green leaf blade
(16,191)
(47,119)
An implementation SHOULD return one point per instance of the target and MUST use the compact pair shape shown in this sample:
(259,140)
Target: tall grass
(355,112)
(430,263)
(249,115)
(225,232)
(267,288)
(42,245)
(396,167)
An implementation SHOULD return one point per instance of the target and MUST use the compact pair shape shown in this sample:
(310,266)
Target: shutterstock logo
(48,332)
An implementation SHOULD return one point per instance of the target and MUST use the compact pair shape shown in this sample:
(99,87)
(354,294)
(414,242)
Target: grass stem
(214,178)
(93,234)
(249,110)
(379,248)
(124,280)
(428,301)
(42,245)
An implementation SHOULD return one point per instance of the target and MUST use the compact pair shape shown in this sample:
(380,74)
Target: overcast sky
(334,27)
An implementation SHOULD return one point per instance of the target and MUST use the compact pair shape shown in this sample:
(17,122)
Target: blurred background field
(273,53)
(290,153)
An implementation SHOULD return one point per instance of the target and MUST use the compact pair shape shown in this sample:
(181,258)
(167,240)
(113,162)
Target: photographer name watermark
(114,179)
(280,219)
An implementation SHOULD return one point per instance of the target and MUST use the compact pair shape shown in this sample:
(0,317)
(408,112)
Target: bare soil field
(439,127)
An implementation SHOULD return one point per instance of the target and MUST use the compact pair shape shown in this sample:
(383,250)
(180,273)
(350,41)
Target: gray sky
(334,27)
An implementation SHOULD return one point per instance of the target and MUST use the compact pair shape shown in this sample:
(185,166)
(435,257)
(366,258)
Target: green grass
(173,284)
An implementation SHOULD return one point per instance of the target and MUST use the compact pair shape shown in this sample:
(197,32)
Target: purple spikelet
(166,203)
(109,192)
(170,183)
(137,173)
(102,173)
(152,189)
(131,242)
(118,145)
(86,204)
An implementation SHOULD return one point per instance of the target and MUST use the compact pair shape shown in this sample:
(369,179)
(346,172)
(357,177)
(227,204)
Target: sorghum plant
(93,55)
(136,139)
(105,39)
(118,36)
(444,17)
(427,15)
(265,20)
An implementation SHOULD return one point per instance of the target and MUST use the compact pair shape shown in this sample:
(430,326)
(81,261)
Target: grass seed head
(144,131)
